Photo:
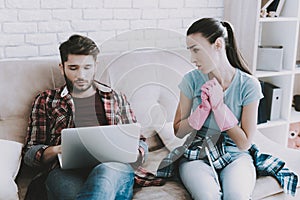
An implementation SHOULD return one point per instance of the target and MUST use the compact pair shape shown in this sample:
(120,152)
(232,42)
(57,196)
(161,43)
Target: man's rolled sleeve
(36,133)
(33,156)
(143,149)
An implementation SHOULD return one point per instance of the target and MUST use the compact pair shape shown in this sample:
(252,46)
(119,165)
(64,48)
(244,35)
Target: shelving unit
(251,31)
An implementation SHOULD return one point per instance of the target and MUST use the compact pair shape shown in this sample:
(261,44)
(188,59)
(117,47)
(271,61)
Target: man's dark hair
(78,45)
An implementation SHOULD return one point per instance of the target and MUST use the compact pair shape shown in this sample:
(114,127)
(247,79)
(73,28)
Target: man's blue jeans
(105,181)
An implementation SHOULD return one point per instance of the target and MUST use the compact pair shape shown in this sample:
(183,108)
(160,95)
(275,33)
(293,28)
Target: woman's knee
(236,195)
(199,180)
(238,179)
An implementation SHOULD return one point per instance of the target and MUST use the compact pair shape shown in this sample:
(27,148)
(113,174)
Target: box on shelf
(269,58)
(273,96)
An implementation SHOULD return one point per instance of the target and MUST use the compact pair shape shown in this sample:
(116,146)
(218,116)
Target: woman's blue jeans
(105,181)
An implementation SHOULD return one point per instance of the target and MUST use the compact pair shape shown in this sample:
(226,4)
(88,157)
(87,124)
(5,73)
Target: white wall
(34,28)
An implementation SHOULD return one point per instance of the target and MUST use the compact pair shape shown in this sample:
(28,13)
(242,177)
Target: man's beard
(72,88)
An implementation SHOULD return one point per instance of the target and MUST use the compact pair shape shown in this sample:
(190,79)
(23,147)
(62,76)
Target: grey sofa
(154,103)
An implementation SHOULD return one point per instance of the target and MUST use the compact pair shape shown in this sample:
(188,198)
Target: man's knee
(113,167)
(112,174)
(63,185)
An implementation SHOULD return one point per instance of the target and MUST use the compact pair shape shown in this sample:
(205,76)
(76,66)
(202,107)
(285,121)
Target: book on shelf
(273,95)
(262,112)
(298,64)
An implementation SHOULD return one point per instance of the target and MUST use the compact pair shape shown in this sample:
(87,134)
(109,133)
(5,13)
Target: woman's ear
(219,43)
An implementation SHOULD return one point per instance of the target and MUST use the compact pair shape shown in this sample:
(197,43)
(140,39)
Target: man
(81,102)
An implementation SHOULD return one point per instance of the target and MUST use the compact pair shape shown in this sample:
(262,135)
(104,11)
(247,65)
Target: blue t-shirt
(243,90)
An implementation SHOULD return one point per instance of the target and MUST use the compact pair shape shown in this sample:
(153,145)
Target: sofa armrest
(290,156)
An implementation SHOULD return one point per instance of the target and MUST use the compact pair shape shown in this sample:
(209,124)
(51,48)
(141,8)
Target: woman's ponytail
(233,54)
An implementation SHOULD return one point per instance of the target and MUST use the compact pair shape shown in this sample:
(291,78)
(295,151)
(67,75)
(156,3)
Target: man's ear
(97,63)
(61,67)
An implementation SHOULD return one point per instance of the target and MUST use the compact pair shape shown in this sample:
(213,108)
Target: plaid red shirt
(53,110)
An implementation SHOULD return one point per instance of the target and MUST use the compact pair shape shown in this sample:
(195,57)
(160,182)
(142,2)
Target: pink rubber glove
(198,117)
(223,115)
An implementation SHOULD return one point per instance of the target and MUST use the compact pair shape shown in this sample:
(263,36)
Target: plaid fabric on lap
(265,164)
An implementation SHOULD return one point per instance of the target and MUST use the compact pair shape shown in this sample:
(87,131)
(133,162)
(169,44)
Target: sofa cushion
(150,79)
(10,156)
(8,188)
(23,80)
(26,79)
(172,190)
(266,186)
(14,128)
(154,142)
(167,135)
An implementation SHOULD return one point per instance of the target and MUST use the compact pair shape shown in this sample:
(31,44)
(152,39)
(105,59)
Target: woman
(220,100)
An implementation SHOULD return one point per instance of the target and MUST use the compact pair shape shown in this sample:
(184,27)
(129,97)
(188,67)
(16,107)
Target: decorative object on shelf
(273,95)
(269,58)
(271,8)
(294,136)
(296,102)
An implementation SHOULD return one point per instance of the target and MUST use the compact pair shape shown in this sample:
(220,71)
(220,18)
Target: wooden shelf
(270,124)
(260,74)
(297,70)
(278,19)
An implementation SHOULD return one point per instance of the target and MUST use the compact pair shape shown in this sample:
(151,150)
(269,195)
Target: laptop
(89,146)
